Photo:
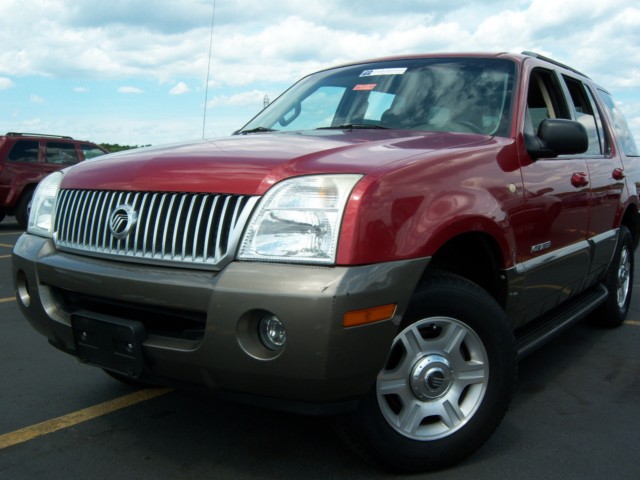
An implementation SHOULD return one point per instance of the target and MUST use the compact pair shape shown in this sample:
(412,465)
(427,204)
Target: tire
(619,283)
(1,216)
(23,208)
(446,384)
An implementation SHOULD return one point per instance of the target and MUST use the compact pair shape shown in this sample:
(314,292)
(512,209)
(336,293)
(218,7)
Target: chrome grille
(184,228)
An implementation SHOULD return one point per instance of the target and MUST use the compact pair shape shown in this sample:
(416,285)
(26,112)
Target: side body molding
(542,283)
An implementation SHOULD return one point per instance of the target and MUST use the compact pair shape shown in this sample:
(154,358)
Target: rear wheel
(446,384)
(1,216)
(619,282)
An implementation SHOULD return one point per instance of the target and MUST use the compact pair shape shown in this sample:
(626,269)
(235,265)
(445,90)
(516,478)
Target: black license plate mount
(110,343)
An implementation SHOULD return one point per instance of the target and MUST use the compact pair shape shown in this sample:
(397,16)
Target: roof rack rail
(551,60)
(24,134)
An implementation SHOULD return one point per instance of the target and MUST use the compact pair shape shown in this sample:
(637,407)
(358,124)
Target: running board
(540,331)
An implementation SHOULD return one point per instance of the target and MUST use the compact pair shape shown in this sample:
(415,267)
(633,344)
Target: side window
(544,99)
(587,114)
(61,153)
(90,151)
(24,151)
(627,142)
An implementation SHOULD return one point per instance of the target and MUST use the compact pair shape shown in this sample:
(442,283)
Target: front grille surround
(196,230)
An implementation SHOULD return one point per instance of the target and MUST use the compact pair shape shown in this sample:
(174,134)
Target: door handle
(618,174)
(579,179)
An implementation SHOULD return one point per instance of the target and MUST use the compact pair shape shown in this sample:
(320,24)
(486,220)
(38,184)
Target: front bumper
(322,362)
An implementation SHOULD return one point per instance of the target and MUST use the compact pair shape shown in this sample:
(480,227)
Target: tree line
(115,147)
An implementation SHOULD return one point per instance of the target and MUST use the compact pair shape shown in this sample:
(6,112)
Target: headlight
(298,220)
(43,205)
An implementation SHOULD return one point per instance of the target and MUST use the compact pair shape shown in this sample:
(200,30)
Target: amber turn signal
(369,315)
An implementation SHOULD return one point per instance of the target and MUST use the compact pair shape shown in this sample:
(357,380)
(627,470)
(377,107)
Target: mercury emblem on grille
(122,220)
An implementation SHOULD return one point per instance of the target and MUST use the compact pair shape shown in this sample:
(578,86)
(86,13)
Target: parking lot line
(8,299)
(635,323)
(80,416)
(5,256)
(6,245)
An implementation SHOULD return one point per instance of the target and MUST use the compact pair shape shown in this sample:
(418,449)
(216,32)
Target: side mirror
(557,137)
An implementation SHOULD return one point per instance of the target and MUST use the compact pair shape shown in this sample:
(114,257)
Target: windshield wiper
(256,130)
(350,126)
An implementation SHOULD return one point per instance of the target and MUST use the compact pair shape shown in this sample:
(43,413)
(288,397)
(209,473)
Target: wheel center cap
(431,377)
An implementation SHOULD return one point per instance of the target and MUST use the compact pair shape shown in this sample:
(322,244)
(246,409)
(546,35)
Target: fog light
(272,333)
(22,286)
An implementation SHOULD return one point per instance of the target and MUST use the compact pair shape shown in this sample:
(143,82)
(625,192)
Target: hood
(250,164)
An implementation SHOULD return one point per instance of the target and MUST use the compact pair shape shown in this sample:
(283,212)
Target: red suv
(385,240)
(26,158)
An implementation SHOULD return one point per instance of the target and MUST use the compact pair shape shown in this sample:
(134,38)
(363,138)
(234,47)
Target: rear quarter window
(625,138)
(90,151)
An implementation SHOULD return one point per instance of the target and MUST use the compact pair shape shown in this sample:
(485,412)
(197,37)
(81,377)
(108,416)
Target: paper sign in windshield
(383,71)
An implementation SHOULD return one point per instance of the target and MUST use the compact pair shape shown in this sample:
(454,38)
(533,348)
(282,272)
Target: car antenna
(206,88)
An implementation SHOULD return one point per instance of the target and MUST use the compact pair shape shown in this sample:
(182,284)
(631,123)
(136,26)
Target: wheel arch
(476,256)
(631,220)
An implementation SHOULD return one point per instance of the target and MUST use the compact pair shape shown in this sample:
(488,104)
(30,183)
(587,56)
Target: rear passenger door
(60,154)
(606,174)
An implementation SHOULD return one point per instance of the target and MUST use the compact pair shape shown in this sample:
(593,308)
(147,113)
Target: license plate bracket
(111,343)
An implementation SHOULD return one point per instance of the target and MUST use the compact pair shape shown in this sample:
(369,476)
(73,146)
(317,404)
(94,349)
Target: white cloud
(253,98)
(81,89)
(5,83)
(36,99)
(130,90)
(269,44)
(180,89)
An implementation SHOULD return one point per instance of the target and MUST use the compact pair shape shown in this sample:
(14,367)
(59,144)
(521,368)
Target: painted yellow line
(6,245)
(74,418)
(11,233)
(5,256)
(635,323)
(8,299)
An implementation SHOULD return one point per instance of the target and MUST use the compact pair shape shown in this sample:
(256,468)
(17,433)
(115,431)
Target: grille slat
(148,223)
(188,229)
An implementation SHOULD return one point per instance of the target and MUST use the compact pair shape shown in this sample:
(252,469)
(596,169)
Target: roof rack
(23,134)
(555,62)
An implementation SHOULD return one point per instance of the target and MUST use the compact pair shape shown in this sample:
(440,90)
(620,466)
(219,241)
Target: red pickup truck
(381,243)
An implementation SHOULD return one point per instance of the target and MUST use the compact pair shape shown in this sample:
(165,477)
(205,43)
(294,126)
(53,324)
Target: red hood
(250,164)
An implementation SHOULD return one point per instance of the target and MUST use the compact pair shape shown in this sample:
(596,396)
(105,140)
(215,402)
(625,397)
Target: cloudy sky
(134,72)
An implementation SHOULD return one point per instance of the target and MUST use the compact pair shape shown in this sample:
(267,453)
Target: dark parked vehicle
(382,243)
(26,158)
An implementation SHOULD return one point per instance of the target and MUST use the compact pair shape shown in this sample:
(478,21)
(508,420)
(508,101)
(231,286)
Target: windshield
(469,95)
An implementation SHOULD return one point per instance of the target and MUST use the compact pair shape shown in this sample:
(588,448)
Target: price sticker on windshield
(364,87)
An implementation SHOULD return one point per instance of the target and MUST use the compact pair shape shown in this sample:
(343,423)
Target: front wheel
(24,208)
(446,384)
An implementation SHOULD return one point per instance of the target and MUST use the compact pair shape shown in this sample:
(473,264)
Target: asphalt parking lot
(575,415)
